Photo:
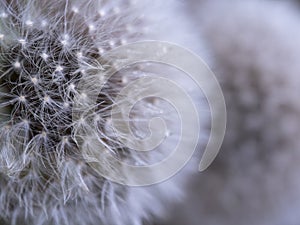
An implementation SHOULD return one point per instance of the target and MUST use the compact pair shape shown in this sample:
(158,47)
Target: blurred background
(253,46)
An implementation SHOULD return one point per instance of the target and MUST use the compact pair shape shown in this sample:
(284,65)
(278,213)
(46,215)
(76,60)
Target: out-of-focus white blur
(254,49)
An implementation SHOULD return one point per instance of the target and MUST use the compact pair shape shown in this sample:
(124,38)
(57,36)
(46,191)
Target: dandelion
(48,49)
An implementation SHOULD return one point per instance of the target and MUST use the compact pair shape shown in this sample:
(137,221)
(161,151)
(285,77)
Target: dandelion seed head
(47,128)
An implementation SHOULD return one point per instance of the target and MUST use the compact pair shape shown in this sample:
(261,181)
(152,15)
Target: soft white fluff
(47,48)
(256,51)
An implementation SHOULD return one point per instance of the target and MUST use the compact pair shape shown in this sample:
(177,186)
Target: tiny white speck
(34,80)
(123,41)
(3,15)
(65,39)
(65,140)
(44,134)
(124,80)
(66,104)
(64,42)
(101,78)
(101,50)
(83,72)
(111,43)
(168,133)
(101,13)
(44,23)
(22,98)
(91,27)
(97,118)
(75,10)
(17,64)
(66,36)
(83,95)
(81,120)
(44,56)
(46,99)
(29,23)
(59,69)
(72,86)
(22,41)
(79,55)
(1,36)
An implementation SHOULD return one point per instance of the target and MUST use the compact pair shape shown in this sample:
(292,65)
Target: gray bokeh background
(253,47)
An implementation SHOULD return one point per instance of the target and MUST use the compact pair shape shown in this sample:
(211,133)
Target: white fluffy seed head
(46,125)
